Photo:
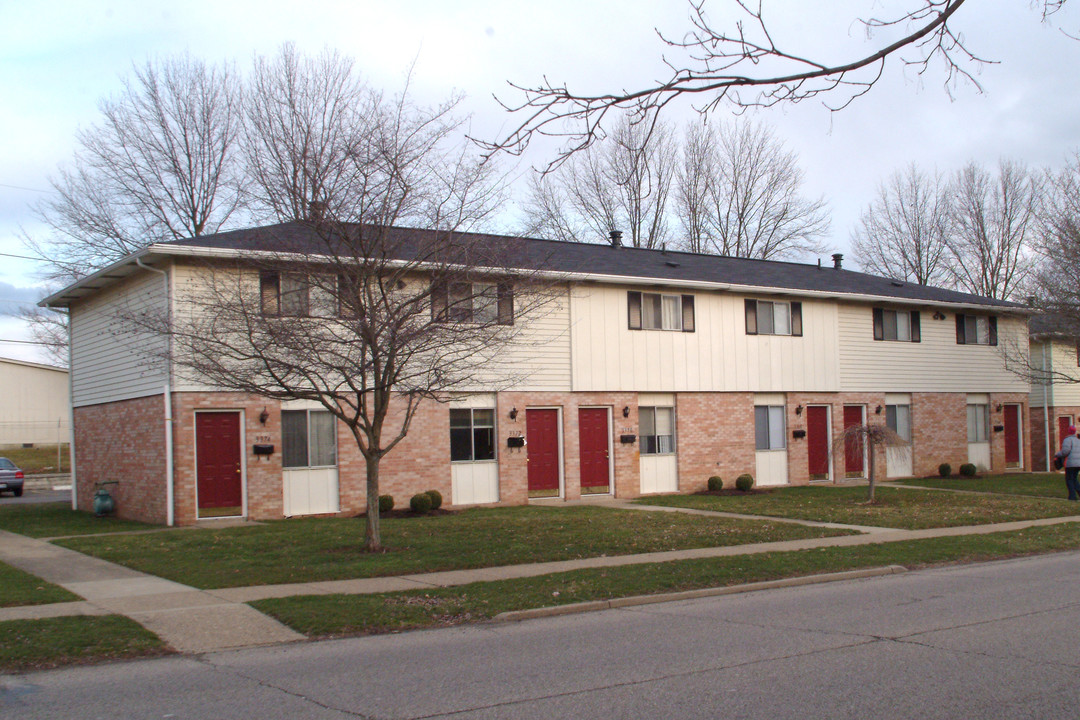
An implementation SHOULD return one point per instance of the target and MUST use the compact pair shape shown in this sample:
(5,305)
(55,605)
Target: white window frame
(472,435)
(898,418)
(307,439)
(670,311)
(775,430)
(657,443)
(978,432)
(772,305)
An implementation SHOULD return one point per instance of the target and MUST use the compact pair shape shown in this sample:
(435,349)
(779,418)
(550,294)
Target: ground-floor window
(308,439)
(898,419)
(657,425)
(472,434)
(769,427)
(978,423)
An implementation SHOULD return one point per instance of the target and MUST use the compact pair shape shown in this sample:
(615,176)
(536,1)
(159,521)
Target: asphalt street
(33,496)
(996,640)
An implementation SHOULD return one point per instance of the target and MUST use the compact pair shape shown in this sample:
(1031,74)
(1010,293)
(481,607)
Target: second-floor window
(773,317)
(657,311)
(298,294)
(900,325)
(976,329)
(468,302)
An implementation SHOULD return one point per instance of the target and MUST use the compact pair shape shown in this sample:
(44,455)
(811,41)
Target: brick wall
(715,437)
(123,441)
(1037,433)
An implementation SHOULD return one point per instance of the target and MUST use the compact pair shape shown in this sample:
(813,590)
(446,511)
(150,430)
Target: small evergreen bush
(420,503)
(744,482)
(436,499)
(968,470)
(716,483)
(386,503)
(944,470)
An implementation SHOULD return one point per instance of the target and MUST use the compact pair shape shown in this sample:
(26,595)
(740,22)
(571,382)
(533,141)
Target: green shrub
(420,503)
(716,483)
(944,470)
(436,499)
(968,470)
(386,503)
(744,482)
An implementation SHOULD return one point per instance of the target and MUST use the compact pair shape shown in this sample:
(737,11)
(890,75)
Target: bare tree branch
(743,67)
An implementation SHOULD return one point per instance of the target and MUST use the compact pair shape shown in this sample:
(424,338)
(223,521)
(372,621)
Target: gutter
(212,253)
(170,513)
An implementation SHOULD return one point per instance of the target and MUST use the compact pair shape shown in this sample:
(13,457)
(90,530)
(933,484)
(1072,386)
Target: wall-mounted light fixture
(626,411)
(998,408)
(938,315)
(264,416)
(513,413)
(798,409)
(877,410)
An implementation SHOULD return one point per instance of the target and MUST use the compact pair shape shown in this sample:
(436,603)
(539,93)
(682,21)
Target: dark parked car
(11,477)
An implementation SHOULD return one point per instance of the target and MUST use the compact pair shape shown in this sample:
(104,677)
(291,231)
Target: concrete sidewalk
(188,619)
(195,621)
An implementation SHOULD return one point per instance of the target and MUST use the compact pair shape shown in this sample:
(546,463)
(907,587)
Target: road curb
(635,600)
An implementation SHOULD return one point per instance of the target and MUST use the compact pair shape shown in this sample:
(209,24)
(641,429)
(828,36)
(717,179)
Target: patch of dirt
(733,491)
(399,513)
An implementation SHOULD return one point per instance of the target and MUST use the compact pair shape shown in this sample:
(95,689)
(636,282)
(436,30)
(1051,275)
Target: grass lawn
(895,507)
(330,615)
(302,550)
(52,642)
(38,459)
(22,588)
(1051,485)
(56,519)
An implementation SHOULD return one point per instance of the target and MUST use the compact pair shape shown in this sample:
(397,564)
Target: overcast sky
(60,58)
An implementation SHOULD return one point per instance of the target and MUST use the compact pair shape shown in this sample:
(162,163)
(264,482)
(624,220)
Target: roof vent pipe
(616,238)
(837,261)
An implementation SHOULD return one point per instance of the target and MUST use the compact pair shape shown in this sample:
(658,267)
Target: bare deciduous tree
(739,194)
(904,232)
(744,66)
(158,167)
(994,221)
(1055,286)
(869,438)
(303,116)
(620,184)
(368,319)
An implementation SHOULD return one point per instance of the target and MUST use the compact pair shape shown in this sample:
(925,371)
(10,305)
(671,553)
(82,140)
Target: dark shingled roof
(659,265)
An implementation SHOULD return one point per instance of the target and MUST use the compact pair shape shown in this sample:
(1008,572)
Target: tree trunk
(372,534)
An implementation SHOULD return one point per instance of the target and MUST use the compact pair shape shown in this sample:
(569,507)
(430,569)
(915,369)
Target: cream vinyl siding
(189,283)
(109,362)
(1061,356)
(718,356)
(537,359)
(937,364)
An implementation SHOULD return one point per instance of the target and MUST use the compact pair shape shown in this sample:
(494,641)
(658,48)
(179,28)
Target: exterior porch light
(626,411)
(513,413)
(264,416)
(798,409)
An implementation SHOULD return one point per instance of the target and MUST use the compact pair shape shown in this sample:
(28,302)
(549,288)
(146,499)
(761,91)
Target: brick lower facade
(1044,443)
(715,435)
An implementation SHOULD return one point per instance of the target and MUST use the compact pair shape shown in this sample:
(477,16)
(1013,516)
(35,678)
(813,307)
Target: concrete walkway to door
(196,621)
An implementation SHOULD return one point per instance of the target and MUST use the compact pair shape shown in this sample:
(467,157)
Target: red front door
(853,445)
(217,453)
(1012,436)
(542,436)
(1063,428)
(593,433)
(817,441)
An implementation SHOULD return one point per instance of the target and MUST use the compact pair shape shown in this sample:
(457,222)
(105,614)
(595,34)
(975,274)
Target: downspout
(71,422)
(1046,407)
(169,479)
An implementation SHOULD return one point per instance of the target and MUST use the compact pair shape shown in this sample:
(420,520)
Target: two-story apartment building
(649,372)
(1055,387)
